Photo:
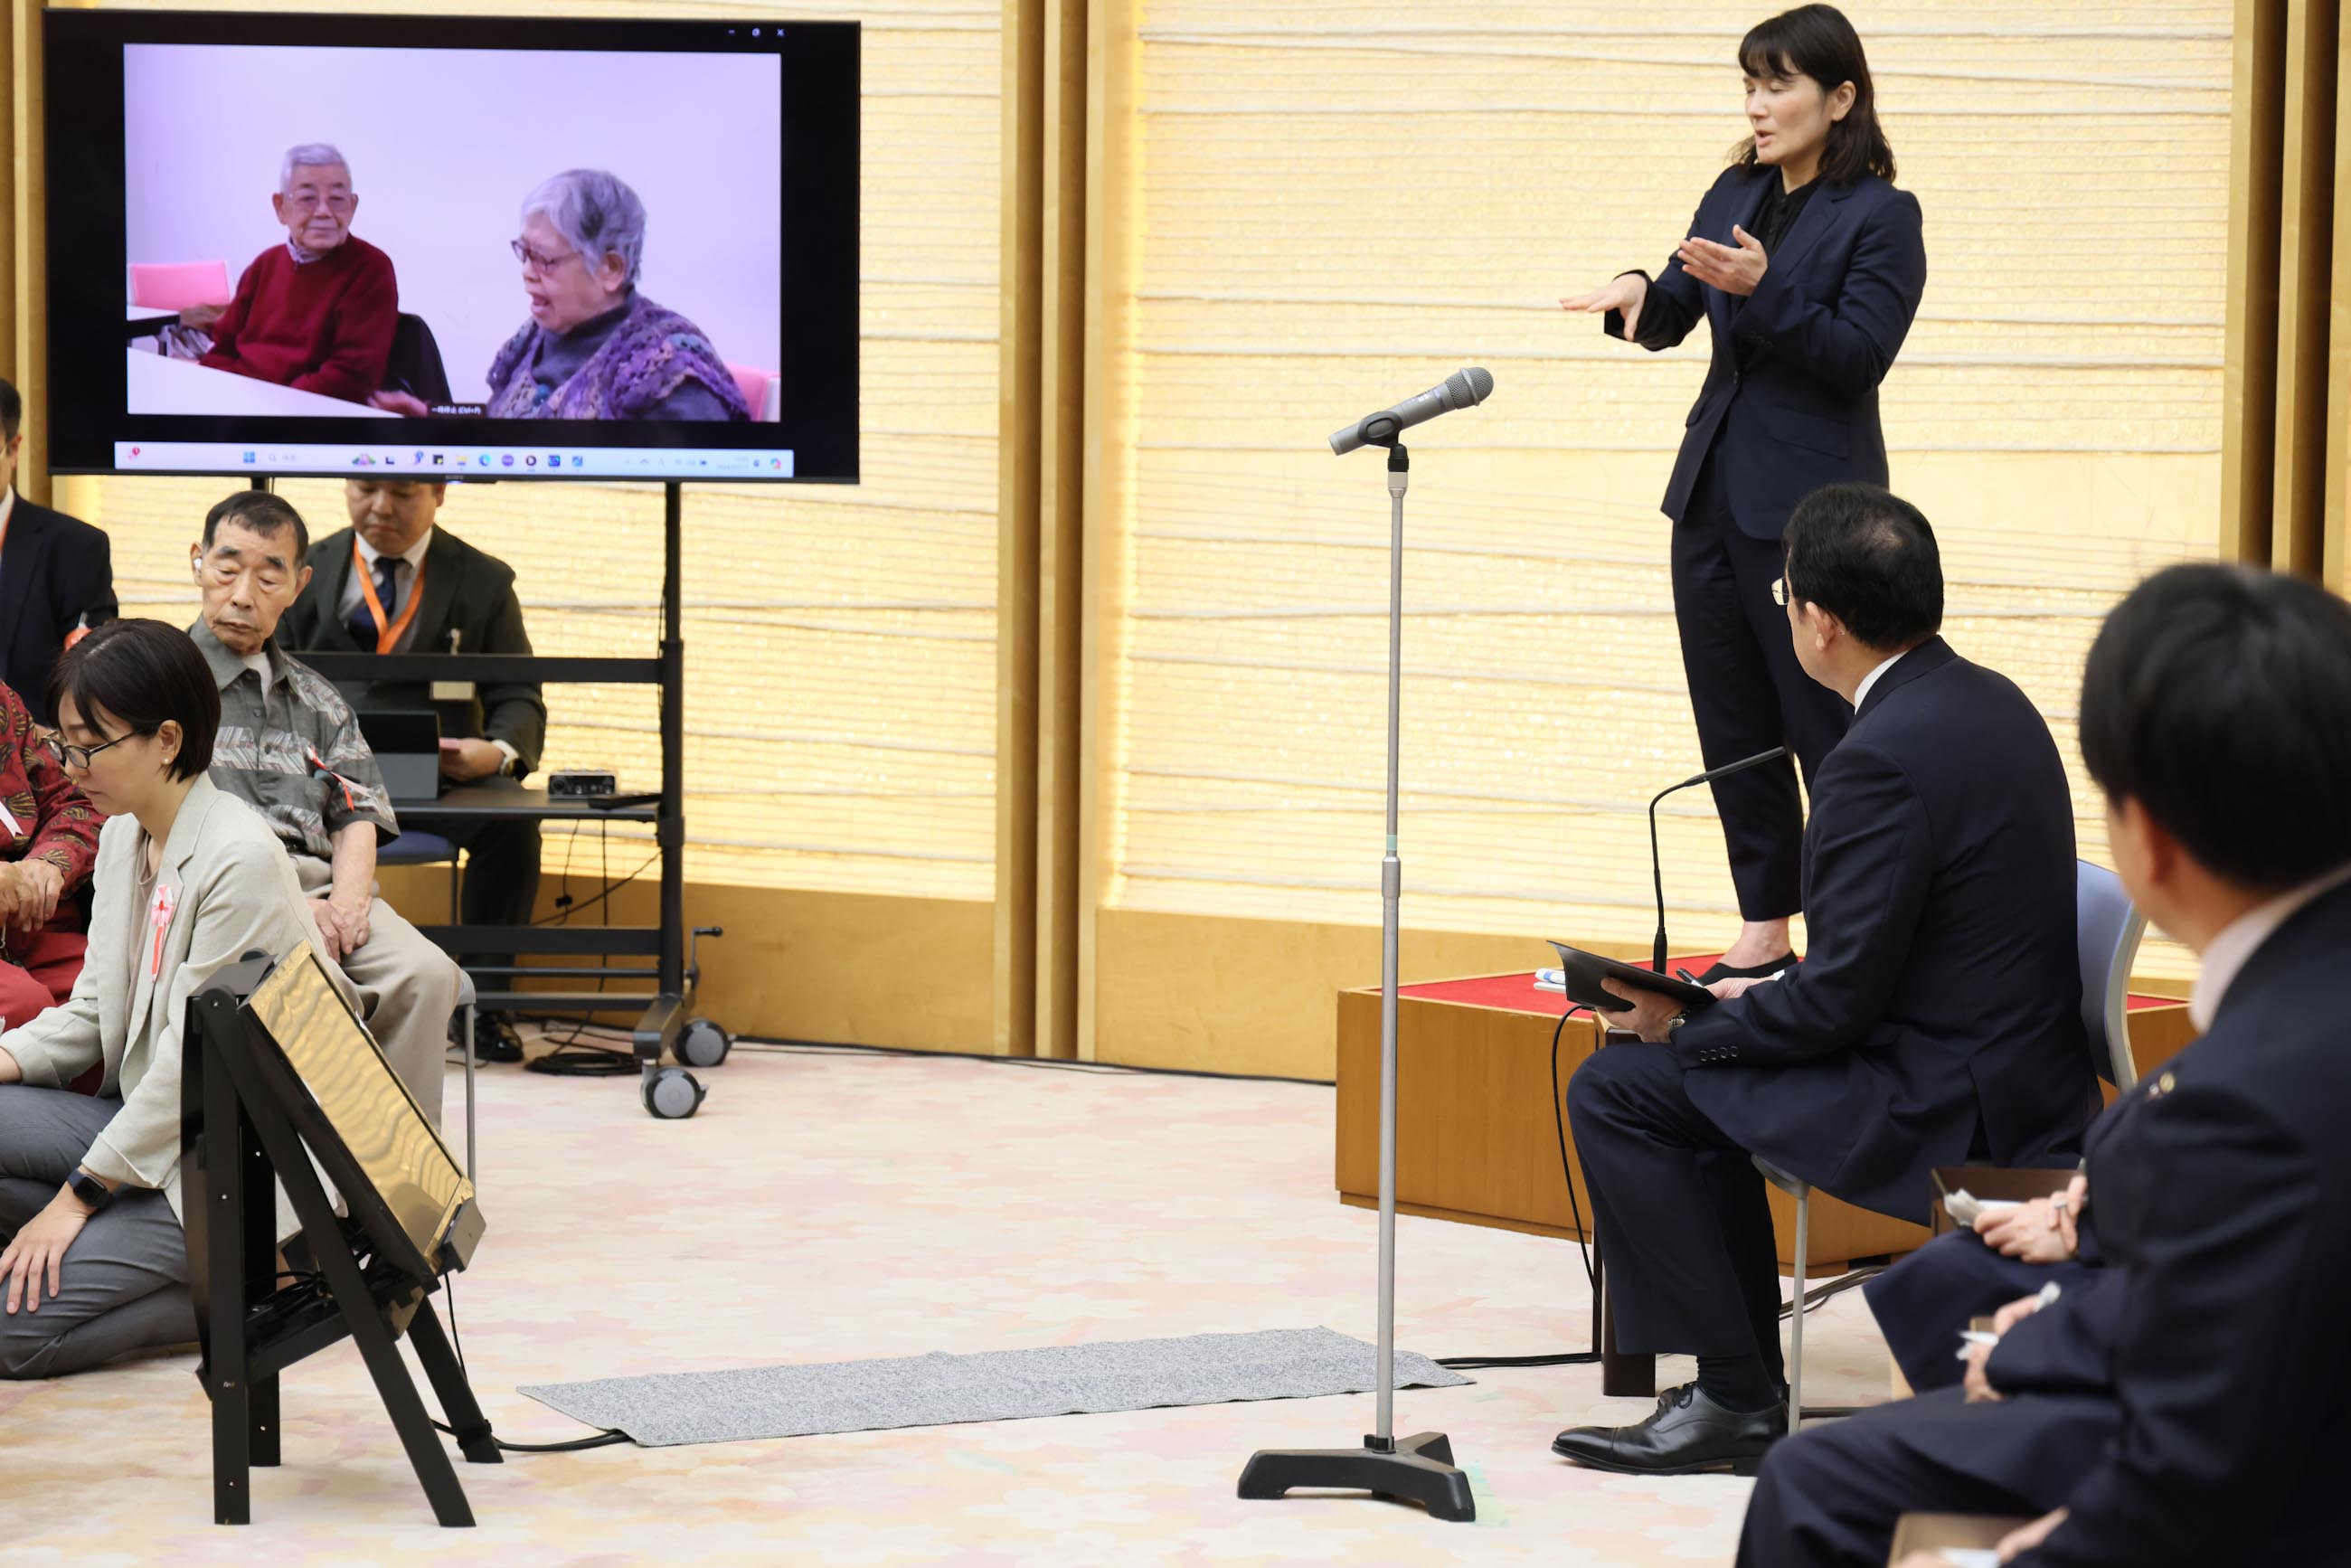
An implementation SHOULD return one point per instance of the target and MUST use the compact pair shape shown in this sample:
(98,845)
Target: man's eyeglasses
(536,262)
(70,755)
(1780,592)
(333,200)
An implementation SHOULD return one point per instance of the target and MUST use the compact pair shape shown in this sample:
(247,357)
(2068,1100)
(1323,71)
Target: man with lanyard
(290,748)
(395,582)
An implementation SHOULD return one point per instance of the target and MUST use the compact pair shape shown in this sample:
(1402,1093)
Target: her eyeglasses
(536,262)
(66,754)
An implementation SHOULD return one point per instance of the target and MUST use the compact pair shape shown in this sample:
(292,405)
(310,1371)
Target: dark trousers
(123,1284)
(1922,1302)
(1829,1496)
(501,884)
(1681,1211)
(1747,695)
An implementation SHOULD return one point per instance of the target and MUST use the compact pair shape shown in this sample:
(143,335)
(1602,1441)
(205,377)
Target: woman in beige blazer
(188,880)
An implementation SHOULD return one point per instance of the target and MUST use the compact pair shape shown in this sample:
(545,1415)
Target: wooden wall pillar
(2286,415)
(1041,458)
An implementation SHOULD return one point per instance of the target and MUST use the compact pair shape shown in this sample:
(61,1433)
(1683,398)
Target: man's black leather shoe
(494,1038)
(1687,1433)
(1751,972)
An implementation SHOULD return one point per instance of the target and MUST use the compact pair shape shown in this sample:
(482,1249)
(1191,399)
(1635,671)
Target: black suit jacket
(1798,408)
(467,592)
(54,570)
(1940,1005)
(2220,1196)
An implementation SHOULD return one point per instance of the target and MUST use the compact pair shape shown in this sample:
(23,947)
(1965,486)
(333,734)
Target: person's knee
(22,998)
(1598,1088)
(25,1348)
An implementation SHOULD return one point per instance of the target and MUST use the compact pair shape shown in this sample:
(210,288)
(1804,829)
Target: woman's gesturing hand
(1626,293)
(1734,271)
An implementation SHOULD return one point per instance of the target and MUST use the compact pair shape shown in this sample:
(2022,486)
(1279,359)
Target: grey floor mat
(934,1390)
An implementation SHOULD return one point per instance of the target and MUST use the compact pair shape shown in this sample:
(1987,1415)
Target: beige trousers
(407,987)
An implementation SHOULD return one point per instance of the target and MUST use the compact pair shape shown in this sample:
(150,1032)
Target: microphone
(1460,389)
(1657,865)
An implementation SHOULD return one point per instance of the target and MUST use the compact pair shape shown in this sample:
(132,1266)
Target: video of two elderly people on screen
(557,234)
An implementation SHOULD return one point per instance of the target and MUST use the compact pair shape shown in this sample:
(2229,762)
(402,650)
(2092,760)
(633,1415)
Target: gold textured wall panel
(1340,205)
(840,686)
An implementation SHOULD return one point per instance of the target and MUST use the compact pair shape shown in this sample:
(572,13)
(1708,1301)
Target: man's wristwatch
(94,1193)
(1674,1023)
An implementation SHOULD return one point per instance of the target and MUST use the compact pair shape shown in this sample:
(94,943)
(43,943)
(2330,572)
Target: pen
(1685,975)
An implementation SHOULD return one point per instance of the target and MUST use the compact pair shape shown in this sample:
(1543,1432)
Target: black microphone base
(1418,1469)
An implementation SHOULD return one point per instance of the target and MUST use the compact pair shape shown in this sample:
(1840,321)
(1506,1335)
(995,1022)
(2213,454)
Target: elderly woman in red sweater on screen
(318,312)
(48,843)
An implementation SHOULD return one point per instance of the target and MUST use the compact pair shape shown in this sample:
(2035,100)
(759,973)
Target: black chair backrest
(416,365)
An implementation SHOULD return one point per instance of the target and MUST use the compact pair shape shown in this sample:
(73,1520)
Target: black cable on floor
(606,1438)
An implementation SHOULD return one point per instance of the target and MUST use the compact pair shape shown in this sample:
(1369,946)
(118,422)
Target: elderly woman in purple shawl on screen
(596,348)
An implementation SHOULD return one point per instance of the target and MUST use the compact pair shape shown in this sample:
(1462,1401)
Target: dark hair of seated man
(1867,557)
(2220,698)
(265,514)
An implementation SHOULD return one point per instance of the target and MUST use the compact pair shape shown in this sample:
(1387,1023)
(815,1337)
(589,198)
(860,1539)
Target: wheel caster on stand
(703,1044)
(672,1093)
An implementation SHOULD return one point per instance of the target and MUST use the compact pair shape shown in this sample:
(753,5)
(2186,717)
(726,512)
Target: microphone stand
(1657,862)
(1418,1469)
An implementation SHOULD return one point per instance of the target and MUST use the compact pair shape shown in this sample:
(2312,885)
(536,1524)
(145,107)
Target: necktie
(387,593)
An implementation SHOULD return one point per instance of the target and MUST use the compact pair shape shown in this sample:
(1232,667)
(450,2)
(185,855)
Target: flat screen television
(452,247)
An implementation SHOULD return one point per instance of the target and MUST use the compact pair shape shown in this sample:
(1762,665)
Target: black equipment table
(663,1012)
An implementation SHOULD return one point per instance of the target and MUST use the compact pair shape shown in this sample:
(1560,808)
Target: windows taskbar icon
(642,463)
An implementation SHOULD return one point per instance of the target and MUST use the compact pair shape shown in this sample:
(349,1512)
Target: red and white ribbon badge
(160,918)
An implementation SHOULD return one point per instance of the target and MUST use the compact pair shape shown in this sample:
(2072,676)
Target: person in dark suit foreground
(56,575)
(1937,1016)
(2185,1408)
(395,582)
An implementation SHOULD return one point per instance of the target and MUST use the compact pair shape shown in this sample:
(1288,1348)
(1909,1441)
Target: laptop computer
(407,747)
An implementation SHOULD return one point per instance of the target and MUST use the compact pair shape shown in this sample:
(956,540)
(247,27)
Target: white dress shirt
(2227,953)
(355,593)
(1861,691)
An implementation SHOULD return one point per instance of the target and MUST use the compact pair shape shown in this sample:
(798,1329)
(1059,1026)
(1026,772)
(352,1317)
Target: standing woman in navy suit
(1807,266)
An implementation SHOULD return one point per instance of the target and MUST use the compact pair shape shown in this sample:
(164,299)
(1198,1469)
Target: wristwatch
(94,1193)
(1675,1023)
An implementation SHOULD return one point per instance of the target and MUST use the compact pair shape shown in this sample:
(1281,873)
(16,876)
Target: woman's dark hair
(142,672)
(2219,697)
(1816,41)
(1868,558)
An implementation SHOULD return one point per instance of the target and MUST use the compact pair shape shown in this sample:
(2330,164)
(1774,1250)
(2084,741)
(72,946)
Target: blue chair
(412,847)
(2108,928)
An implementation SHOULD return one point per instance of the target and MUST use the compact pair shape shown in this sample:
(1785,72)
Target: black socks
(1738,1383)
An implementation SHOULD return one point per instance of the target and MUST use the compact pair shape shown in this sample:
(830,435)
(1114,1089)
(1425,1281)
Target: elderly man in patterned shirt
(290,748)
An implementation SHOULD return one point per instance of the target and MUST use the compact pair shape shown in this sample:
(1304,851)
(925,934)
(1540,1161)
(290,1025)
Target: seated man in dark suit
(56,575)
(2182,1406)
(395,582)
(1937,1016)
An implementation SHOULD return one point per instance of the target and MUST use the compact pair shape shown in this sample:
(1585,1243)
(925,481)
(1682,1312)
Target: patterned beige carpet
(829,1206)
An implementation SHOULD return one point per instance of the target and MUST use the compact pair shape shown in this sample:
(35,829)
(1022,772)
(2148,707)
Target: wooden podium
(1475,1135)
